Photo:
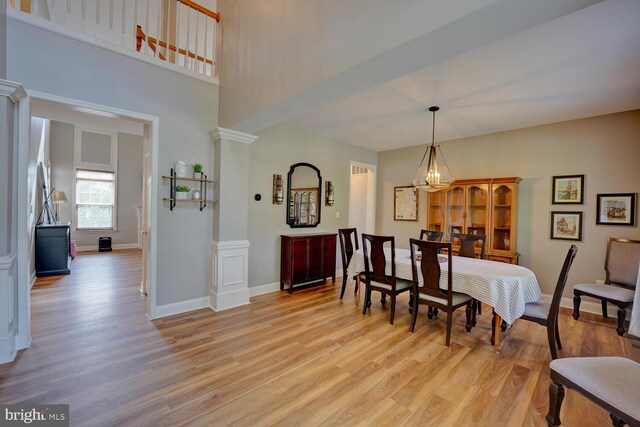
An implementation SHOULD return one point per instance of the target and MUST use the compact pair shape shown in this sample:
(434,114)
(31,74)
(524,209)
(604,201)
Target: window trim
(112,167)
(115,199)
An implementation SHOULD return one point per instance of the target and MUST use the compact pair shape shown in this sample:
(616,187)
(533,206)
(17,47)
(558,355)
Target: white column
(10,238)
(229,246)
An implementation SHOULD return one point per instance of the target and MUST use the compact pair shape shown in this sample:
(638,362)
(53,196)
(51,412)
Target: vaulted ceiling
(507,65)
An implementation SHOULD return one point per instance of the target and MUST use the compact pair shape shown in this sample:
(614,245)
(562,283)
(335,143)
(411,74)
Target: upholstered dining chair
(468,250)
(428,291)
(613,383)
(375,276)
(431,235)
(621,268)
(348,239)
(545,313)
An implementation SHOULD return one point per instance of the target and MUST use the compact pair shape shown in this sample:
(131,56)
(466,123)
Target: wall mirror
(304,191)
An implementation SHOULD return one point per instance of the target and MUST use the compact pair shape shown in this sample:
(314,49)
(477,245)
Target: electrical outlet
(337,214)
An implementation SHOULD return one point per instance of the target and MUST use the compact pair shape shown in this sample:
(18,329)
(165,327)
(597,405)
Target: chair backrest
(346,245)
(431,235)
(562,281)
(430,268)
(375,261)
(622,261)
(468,244)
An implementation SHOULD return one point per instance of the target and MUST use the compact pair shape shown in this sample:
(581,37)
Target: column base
(230,274)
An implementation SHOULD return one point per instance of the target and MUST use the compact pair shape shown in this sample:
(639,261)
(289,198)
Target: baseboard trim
(233,299)
(181,307)
(116,247)
(585,306)
(33,279)
(264,289)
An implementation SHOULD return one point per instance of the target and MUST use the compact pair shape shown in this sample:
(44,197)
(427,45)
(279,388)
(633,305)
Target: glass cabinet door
(454,213)
(435,204)
(502,219)
(476,219)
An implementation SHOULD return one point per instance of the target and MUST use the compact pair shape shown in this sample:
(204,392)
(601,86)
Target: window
(95,199)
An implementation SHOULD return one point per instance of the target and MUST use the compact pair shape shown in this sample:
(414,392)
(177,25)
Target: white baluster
(196,64)
(177,61)
(159,26)
(187,60)
(204,55)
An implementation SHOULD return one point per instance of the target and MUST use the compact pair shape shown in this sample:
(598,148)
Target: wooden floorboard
(301,359)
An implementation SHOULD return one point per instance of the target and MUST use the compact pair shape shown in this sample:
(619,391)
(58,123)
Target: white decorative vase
(183,170)
(182,195)
(195,195)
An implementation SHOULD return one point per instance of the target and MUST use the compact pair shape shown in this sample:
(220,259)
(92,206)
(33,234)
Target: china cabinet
(478,206)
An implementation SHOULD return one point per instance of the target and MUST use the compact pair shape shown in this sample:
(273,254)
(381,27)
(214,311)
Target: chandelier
(432,176)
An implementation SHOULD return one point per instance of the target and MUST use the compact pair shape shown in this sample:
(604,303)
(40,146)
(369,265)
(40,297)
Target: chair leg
(367,298)
(435,311)
(468,311)
(473,313)
(558,343)
(449,320)
(617,421)
(556,395)
(576,306)
(622,315)
(383,299)
(604,310)
(493,328)
(503,326)
(414,313)
(479,307)
(344,285)
(429,312)
(551,336)
(393,308)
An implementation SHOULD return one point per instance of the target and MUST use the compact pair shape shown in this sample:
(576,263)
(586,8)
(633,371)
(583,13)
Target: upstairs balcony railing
(180,32)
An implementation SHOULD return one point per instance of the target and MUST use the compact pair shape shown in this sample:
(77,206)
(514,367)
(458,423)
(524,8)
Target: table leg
(496,332)
(358,287)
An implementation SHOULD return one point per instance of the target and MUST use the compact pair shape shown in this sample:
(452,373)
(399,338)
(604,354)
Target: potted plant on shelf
(182,192)
(197,169)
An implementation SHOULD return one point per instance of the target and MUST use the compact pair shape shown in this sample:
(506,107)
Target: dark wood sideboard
(307,258)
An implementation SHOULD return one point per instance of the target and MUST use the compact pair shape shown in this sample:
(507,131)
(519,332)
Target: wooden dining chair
(431,235)
(348,237)
(375,276)
(468,250)
(621,268)
(428,291)
(545,313)
(613,383)
(468,244)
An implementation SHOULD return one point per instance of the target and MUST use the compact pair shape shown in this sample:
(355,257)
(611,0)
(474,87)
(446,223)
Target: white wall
(38,152)
(3,39)
(274,152)
(187,109)
(129,184)
(605,149)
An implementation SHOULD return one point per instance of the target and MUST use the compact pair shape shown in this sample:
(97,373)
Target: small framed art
(405,204)
(566,225)
(616,209)
(568,190)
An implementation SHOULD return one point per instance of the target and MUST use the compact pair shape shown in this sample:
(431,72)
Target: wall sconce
(328,193)
(277,189)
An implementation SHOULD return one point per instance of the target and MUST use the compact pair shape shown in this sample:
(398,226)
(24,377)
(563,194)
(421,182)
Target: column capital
(231,135)
(14,91)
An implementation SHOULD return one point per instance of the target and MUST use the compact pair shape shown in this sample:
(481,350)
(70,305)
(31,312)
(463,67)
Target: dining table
(505,287)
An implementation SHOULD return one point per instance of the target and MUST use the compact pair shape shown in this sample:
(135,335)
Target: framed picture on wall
(405,203)
(566,225)
(568,190)
(616,209)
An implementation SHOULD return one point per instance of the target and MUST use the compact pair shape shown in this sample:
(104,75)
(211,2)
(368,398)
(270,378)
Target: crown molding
(14,91)
(231,135)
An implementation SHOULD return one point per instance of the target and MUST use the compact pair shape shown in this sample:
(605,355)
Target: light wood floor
(301,359)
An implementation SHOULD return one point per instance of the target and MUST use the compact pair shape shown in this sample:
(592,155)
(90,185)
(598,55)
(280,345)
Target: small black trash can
(104,244)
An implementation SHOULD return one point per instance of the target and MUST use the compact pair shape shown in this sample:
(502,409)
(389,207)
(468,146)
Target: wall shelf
(203,182)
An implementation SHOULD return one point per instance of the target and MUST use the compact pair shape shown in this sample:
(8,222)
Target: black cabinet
(53,242)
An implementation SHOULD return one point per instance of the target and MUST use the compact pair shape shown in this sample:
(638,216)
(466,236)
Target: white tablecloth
(634,327)
(505,287)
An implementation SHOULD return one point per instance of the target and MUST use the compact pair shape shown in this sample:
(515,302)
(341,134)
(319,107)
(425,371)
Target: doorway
(362,197)
(149,166)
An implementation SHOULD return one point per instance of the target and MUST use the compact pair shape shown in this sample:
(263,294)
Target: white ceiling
(583,64)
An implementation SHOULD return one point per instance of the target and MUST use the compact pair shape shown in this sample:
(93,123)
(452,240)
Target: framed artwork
(405,203)
(568,190)
(566,225)
(616,209)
